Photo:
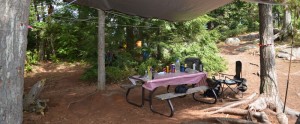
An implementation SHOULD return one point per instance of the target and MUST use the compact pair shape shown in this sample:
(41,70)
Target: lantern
(139,43)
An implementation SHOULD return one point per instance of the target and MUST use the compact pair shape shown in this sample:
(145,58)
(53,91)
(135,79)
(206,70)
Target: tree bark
(268,86)
(36,10)
(33,94)
(13,42)
(41,49)
(101,50)
(52,46)
(130,39)
(287,20)
(268,77)
(40,39)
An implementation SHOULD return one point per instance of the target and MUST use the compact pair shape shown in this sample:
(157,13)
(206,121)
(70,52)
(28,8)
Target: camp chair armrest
(223,74)
(227,78)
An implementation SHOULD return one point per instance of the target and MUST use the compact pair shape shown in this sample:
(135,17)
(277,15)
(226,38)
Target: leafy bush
(200,43)
(90,73)
(234,18)
(124,60)
(149,62)
(31,59)
(113,74)
(232,32)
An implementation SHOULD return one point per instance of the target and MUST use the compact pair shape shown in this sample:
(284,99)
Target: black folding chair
(236,80)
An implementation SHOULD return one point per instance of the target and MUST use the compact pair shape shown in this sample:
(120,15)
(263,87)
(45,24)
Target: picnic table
(196,80)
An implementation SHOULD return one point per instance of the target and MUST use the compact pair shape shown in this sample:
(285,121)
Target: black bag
(243,85)
(210,93)
(298,120)
(181,89)
(213,84)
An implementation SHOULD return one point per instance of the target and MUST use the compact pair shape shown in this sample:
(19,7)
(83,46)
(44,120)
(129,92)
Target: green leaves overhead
(236,18)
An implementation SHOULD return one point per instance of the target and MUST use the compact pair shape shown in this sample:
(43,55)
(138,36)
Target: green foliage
(71,34)
(123,60)
(294,7)
(236,18)
(90,73)
(114,74)
(152,62)
(199,43)
(31,59)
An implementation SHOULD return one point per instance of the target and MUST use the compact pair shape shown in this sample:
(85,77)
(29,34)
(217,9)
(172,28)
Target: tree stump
(31,98)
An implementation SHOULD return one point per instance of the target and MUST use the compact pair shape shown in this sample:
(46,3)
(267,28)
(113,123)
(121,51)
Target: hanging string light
(139,43)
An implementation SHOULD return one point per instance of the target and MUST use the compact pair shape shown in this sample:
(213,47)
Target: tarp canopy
(171,10)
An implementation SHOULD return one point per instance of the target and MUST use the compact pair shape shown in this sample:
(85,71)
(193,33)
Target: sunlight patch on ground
(189,113)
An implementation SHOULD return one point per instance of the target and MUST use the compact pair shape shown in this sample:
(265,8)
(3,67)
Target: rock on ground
(233,41)
(249,37)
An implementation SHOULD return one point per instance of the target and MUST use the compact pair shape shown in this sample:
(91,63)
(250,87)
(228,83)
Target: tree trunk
(101,50)
(287,20)
(159,47)
(36,10)
(41,49)
(268,78)
(52,46)
(268,85)
(130,39)
(13,41)
(38,38)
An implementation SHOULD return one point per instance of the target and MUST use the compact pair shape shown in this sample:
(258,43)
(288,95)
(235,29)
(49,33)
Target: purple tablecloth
(173,79)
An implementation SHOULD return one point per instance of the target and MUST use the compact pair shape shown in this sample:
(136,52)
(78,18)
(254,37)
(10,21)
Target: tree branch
(246,101)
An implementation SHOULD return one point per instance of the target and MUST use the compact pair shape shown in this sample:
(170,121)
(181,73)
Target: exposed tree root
(259,116)
(237,103)
(233,121)
(82,98)
(234,104)
(291,112)
(211,109)
(263,102)
(255,110)
(282,118)
(271,112)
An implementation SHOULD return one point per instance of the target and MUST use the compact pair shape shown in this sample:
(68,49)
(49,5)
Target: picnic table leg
(132,103)
(168,89)
(154,111)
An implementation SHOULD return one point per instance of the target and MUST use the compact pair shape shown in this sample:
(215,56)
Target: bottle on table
(194,66)
(177,66)
(167,69)
(149,72)
(201,67)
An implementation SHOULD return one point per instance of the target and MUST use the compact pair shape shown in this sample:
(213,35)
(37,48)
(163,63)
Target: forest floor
(73,101)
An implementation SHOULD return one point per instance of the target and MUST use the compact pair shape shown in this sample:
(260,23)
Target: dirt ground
(73,101)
